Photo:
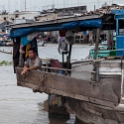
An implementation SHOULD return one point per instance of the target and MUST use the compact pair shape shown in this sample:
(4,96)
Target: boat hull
(90,113)
(92,102)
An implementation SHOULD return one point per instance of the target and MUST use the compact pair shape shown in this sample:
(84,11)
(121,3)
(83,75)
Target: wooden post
(71,41)
(96,65)
(70,51)
(21,60)
(97,43)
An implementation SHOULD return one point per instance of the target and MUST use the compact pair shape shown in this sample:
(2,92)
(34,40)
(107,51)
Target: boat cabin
(114,46)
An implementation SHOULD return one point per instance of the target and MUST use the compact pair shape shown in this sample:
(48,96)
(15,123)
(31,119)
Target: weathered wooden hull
(95,114)
(107,92)
(93,102)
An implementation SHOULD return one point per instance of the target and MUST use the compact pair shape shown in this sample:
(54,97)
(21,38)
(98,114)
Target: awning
(92,23)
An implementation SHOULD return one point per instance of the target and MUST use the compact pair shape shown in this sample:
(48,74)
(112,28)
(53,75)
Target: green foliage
(5,63)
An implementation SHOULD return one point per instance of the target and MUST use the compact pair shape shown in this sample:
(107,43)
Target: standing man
(32,63)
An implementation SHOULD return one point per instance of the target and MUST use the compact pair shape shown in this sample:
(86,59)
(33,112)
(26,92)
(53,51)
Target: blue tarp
(94,23)
(118,12)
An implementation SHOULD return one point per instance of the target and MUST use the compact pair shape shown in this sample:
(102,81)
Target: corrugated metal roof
(57,21)
(105,10)
(98,13)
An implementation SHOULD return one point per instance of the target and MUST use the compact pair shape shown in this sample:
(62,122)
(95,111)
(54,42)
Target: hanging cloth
(28,46)
(27,39)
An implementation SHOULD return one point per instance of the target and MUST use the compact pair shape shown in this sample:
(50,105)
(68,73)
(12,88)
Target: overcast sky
(38,5)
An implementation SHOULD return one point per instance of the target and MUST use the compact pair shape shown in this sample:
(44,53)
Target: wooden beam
(97,42)
(51,83)
(68,94)
(96,64)
(21,60)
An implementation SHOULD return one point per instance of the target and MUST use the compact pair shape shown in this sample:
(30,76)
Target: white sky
(38,5)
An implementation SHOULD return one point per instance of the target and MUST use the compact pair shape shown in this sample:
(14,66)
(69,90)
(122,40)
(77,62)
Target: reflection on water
(53,120)
(20,105)
(63,121)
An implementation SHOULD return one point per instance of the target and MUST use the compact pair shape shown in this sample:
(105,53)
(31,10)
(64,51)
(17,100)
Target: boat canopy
(94,23)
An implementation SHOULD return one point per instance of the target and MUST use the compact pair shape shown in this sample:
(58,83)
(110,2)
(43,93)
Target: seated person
(32,63)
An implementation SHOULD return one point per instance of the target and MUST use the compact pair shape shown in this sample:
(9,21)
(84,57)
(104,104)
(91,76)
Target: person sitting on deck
(32,63)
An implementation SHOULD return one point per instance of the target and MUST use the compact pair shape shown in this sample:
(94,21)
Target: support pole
(25,5)
(96,64)
(71,40)
(97,43)
(21,60)
(70,51)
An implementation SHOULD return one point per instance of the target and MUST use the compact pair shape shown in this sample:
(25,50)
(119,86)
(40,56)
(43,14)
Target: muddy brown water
(20,105)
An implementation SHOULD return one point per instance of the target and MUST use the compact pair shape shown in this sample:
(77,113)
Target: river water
(20,105)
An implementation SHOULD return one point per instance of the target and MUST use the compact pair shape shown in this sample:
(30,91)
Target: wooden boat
(91,102)
(95,89)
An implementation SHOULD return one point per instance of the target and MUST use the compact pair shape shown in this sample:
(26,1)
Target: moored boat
(93,89)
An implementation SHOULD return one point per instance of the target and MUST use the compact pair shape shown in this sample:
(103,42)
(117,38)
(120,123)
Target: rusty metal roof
(98,13)
(57,21)
(105,10)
